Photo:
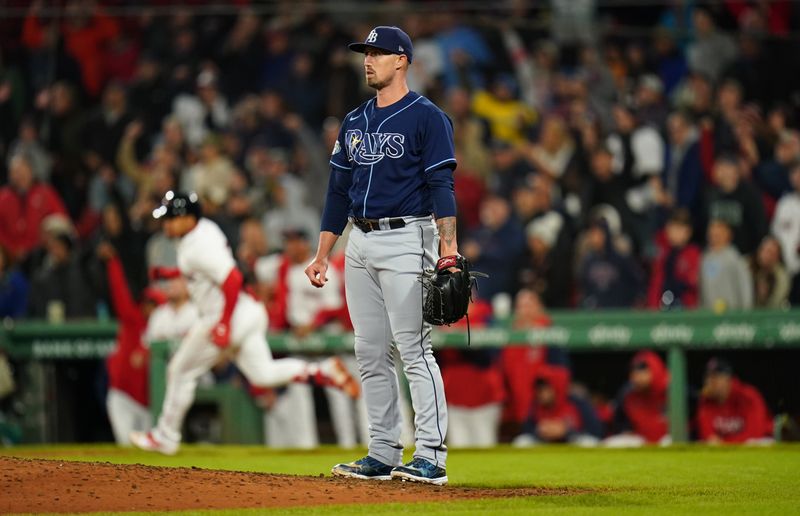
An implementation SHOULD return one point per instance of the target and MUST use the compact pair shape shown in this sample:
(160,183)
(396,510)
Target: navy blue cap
(719,366)
(390,39)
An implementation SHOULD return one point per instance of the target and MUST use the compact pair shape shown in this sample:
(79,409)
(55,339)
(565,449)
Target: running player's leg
(407,252)
(254,358)
(374,354)
(195,356)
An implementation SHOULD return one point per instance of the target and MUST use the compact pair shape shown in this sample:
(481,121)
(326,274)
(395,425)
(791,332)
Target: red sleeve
(32,33)
(122,300)
(230,290)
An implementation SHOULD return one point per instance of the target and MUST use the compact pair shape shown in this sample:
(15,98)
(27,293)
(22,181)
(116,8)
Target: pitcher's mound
(34,485)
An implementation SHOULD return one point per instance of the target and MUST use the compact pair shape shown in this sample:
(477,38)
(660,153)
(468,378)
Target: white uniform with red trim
(205,259)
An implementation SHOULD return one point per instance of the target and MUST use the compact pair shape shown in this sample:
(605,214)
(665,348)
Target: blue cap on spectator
(390,39)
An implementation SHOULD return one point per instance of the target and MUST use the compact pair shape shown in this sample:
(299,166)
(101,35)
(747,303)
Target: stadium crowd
(596,169)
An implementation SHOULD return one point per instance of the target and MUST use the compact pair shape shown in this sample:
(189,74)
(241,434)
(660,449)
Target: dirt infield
(35,485)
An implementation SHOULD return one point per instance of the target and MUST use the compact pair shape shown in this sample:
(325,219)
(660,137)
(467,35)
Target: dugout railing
(39,346)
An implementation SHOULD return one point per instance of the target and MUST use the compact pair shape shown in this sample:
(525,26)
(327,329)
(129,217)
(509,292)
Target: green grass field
(677,480)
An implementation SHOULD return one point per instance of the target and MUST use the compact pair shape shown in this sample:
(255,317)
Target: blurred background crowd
(611,154)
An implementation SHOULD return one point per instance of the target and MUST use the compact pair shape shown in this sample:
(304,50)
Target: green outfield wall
(37,343)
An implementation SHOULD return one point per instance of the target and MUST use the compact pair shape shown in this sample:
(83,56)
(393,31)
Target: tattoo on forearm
(447,231)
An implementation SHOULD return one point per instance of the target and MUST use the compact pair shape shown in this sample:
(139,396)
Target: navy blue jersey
(391,160)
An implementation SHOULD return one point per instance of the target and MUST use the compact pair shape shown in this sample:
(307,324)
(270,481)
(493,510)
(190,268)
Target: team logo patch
(370,148)
(336,148)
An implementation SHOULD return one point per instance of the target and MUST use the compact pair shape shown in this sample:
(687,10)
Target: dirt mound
(35,485)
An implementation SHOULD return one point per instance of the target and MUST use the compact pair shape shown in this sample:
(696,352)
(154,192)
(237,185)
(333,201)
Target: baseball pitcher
(392,176)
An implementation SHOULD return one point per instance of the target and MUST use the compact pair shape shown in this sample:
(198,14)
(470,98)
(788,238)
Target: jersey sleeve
(438,149)
(339,158)
(439,161)
(337,200)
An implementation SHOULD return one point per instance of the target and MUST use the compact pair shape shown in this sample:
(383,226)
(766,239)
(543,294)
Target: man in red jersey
(730,410)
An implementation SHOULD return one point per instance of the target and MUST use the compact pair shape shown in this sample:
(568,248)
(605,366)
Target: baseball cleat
(364,469)
(147,441)
(422,471)
(335,373)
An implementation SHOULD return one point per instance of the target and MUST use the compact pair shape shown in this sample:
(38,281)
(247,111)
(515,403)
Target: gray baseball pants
(385,297)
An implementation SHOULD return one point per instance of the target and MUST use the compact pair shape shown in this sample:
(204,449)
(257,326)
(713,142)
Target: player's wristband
(446,262)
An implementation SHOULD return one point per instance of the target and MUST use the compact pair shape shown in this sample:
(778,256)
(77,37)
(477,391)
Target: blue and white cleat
(422,471)
(364,469)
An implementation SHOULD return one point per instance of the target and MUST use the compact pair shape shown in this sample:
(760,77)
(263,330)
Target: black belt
(367,225)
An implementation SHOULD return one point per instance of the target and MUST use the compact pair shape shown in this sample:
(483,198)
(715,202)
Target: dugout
(55,364)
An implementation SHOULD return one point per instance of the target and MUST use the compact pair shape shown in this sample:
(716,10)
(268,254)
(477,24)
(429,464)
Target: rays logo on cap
(373,37)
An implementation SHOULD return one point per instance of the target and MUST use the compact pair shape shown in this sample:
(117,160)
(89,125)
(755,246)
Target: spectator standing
(203,113)
(675,274)
(640,409)
(212,175)
(554,151)
(547,268)
(605,187)
(24,203)
(509,118)
(786,228)
(497,242)
(60,287)
(105,126)
(129,243)
(87,36)
(682,180)
(29,145)
(770,281)
(638,151)
(240,55)
(712,50)
(737,202)
(730,411)
(725,282)
(470,132)
(772,175)
(607,278)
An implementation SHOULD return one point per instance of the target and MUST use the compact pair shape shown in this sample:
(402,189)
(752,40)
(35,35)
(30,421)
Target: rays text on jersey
(370,148)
